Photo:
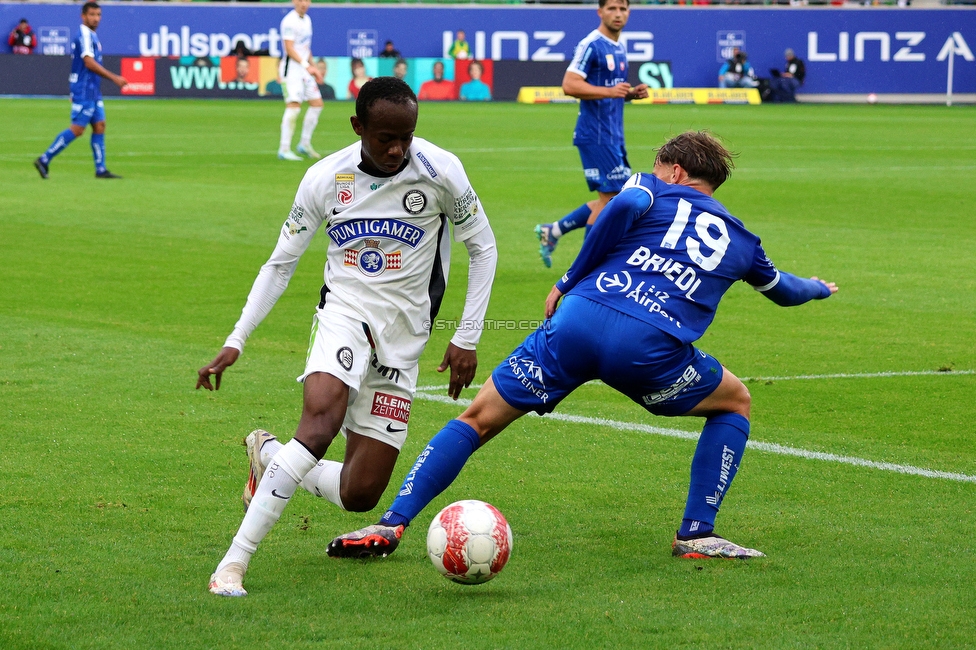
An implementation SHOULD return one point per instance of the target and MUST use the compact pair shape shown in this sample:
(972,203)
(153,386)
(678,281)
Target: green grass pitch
(120,484)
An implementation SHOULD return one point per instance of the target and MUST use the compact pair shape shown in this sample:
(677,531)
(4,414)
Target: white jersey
(298,30)
(389,249)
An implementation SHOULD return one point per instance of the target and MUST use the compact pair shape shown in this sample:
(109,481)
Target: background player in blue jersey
(644,287)
(86,94)
(598,77)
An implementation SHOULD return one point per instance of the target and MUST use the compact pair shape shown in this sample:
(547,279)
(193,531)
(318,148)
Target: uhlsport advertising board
(847,50)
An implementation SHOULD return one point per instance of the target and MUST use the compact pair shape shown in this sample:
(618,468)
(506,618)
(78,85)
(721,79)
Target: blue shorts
(585,340)
(605,167)
(85,113)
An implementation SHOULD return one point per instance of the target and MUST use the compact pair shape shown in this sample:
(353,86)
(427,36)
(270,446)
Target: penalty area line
(769,447)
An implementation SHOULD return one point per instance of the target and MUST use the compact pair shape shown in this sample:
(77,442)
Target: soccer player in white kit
(299,82)
(385,203)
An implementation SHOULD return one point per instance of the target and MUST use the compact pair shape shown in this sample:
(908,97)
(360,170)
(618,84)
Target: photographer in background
(22,39)
(737,72)
(783,85)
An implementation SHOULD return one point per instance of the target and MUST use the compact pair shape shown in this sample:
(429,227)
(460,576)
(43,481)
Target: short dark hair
(88,6)
(700,154)
(604,2)
(388,89)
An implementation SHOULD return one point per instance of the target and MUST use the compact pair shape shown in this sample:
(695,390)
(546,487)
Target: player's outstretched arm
(224,360)
(789,290)
(462,364)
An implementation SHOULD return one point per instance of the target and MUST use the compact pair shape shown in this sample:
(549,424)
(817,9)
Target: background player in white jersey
(385,203)
(597,76)
(86,94)
(643,289)
(299,82)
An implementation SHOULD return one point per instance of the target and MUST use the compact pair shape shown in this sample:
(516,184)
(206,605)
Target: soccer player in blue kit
(643,289)
(86,95)
(597,76)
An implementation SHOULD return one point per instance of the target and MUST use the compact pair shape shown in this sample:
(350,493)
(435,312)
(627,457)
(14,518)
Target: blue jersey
(601,62)
(86,86)
(665,254)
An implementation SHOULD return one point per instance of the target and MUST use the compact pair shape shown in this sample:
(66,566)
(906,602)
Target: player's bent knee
(739,399)
(361,498)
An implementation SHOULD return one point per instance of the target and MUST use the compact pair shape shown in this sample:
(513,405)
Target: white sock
(269,450)
(323,481)
(280,480)
(309,124)
(556,231)
(288,121)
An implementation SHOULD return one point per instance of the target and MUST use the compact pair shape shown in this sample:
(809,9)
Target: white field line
(752,444)
(859,375)
(868,375)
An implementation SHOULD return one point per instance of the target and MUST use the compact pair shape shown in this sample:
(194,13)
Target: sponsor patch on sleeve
(465,207)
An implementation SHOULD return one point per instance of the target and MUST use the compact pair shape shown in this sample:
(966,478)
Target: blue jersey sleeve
(581,61)
(762,272)
(789,291)
(615,220)
(785,289)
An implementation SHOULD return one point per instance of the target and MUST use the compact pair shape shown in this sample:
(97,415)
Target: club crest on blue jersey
(349,231)
(372,260)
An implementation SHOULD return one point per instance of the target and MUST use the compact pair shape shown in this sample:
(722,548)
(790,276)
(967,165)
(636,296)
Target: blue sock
(717,458)
(436,468)
(575,219)
(61,141)
(98,151)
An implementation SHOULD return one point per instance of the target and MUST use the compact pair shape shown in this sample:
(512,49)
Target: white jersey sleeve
(87,43)
(482,256)
(463,207)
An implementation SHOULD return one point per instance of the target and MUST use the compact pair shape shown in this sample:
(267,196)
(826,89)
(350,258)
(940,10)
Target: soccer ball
(469,542)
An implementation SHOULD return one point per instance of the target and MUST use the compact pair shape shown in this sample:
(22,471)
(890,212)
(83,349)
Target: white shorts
(379,397)
(298,85)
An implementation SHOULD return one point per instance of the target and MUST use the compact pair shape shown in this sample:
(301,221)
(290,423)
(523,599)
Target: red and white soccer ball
(469,542)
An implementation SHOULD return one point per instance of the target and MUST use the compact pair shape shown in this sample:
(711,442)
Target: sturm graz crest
(344,357)
(414,202)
